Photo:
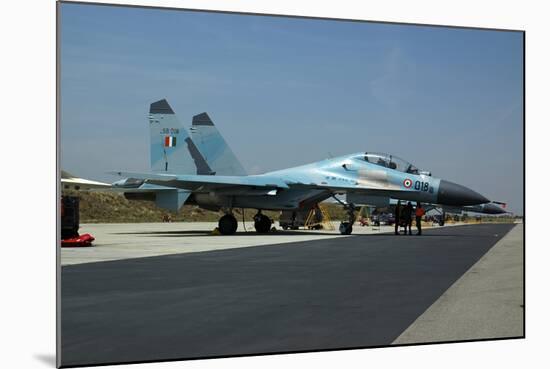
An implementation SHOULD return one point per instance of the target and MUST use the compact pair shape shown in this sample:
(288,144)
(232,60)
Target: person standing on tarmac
(407,216)
(397,215)
(419,214)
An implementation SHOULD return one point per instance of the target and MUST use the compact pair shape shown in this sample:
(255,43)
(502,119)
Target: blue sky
(286,91)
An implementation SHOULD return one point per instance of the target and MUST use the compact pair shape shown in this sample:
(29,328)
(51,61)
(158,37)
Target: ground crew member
(407,216)
(397,215)
(419,214)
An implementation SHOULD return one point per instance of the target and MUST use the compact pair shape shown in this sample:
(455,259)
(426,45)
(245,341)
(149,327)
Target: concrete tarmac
(341,292)
(486,302)
(134,240)
(118,241)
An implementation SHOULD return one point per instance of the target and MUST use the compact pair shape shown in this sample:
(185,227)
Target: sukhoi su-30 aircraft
(201,169)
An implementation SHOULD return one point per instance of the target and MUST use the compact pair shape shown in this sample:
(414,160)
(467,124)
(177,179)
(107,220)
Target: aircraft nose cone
(454,194)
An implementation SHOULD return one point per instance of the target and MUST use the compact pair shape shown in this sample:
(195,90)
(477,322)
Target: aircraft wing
(255,183)
(206,182)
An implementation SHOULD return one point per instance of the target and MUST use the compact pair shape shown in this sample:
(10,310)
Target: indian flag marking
(169,141)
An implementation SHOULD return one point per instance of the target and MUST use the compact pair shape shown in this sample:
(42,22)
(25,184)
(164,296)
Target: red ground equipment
(70,222)
(84,240)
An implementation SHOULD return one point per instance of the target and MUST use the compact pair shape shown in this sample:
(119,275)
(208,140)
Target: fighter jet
(202,170)
(490,208)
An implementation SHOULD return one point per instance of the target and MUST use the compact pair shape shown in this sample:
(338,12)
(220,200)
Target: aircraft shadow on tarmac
(252,233)
(209,233)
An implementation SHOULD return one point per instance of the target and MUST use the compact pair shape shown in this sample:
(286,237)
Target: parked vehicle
(382,219)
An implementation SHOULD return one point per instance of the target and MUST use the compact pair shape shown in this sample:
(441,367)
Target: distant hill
(65,174)
(104,207)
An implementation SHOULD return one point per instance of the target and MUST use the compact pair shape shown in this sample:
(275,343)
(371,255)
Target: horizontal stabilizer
(71,182)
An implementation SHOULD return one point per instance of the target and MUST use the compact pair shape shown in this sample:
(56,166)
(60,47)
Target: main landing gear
(262,223)
(347,227)
(227,224)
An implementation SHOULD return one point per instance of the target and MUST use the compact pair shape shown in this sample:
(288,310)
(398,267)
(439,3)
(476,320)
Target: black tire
(227,224)
(262,224)
(346,228)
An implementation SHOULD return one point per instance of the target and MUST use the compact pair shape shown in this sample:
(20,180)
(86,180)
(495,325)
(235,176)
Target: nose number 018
(421,186)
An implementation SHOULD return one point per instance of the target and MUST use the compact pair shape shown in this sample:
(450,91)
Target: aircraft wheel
(262,223)
(227,224)
(346,228)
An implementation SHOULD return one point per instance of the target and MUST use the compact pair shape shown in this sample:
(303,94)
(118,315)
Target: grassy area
(104,207)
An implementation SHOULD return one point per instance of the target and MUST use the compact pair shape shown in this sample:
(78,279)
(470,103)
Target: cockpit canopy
(390,161)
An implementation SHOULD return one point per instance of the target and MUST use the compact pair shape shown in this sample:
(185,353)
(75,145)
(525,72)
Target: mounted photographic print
(240,184)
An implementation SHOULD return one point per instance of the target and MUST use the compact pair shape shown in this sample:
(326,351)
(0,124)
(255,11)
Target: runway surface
(357,291)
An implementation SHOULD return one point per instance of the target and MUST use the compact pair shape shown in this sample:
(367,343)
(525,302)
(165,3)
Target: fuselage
(353,174)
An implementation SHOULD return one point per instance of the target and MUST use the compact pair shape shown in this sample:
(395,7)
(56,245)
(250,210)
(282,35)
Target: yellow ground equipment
(319,218)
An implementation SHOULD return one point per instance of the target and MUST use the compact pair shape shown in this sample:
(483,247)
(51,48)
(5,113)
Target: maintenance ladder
(325,223)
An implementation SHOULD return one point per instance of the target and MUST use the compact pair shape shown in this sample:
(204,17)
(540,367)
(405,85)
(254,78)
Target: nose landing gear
(346,227)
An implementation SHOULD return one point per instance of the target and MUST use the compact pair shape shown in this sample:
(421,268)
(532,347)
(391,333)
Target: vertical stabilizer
(172,150)
(213,147)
